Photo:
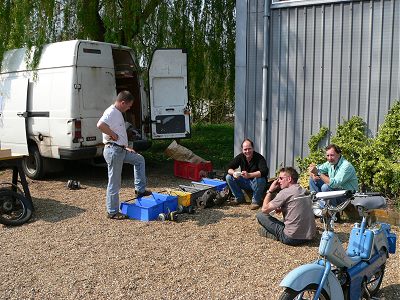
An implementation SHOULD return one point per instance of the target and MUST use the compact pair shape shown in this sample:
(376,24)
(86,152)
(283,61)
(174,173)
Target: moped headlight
(318,207)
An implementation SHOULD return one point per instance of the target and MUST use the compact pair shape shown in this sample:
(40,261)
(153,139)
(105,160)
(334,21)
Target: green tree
(205,28)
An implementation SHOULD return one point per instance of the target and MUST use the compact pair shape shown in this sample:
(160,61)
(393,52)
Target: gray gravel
(70,250)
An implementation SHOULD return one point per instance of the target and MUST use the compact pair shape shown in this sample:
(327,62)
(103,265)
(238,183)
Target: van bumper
(79,153)
(91,152)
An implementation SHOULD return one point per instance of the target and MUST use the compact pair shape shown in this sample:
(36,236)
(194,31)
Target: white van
(50,113)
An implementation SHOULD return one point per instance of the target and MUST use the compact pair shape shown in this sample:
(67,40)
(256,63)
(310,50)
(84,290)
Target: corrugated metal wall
(327,63)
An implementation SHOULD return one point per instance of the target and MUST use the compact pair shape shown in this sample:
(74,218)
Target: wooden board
(391,217)
(5,153)
(377,215)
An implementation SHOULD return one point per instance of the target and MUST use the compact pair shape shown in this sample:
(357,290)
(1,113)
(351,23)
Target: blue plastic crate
(148,208)
(219,184)
(143,209)
(170,203)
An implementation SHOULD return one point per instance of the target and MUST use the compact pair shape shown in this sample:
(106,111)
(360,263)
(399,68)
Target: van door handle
(24,114)
(169,109)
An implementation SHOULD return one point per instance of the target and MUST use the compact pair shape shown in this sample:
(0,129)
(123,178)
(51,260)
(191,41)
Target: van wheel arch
(33,165)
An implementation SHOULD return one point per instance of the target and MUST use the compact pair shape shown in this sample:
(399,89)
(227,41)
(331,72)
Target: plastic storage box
(143,209)
(219,184)
(183,197)
(170,203)
(148,208)
(191,171)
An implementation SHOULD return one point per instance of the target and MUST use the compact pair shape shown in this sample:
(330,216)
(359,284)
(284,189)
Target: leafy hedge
(377,160)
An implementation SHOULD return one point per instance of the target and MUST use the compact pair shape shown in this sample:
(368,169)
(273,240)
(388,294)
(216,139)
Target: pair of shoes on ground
(264,233)
(143,194)
(235,202)
(117,216)
(254,206)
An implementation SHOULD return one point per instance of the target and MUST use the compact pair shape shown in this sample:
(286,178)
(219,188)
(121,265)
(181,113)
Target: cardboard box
(192,171)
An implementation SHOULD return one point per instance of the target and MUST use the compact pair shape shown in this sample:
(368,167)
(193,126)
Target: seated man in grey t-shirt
(298,224)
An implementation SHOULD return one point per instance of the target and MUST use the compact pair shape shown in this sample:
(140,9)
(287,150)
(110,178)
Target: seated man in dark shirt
(252,176)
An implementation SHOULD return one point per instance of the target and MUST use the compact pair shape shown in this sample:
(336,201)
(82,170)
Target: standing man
(116,153)
(335,174)
(298,226)
(252,176)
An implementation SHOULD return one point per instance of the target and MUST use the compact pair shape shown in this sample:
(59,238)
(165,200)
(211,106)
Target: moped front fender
(307,274)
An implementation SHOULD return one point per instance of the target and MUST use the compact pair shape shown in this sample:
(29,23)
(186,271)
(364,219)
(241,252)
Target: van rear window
(93,51)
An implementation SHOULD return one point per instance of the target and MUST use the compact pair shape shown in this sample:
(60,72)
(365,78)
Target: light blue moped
(355,273)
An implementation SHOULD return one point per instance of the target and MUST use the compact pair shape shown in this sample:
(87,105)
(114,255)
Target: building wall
(327,62)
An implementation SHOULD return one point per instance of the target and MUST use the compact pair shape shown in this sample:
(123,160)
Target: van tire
(33,165)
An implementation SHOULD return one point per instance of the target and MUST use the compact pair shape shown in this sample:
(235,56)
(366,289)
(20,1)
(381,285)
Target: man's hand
(274,186)
(246,175)
(130,150)
(312,168)
(113,136)
(104,128)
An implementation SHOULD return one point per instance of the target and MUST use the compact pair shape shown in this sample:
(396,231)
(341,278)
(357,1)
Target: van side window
(93,51)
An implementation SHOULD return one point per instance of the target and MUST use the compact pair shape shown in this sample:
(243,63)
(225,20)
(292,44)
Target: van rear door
(97,91)
(13,104)
(170,114)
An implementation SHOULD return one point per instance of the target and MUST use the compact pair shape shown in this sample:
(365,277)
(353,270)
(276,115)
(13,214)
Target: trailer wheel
(15,209)
(33,165)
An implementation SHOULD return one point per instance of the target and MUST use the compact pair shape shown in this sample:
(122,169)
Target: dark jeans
(276,227)
(256,185)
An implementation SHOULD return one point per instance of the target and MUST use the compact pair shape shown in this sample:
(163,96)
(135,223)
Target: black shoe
(254,206)
(117,216)
(235,202)
(143,194)
(264,233)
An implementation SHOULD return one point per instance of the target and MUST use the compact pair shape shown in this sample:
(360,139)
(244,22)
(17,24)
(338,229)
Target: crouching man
(252,177)
(298,224)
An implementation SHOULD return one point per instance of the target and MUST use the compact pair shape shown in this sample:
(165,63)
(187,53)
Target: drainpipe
(264,95)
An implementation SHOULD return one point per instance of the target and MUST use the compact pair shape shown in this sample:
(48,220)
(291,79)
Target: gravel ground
(70,249)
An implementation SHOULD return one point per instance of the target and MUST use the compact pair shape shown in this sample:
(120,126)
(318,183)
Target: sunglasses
(281,178)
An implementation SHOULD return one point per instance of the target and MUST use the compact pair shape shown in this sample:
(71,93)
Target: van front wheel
(33,165)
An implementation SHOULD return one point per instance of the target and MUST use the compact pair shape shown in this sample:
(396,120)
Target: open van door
(13,104)
(169,110)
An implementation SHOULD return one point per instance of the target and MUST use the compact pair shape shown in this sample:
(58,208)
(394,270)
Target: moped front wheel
(15,209)
(307,293)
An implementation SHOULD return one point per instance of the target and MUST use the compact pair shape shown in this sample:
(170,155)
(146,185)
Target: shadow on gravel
(53,211)
(390,292)
(212,215)
(87,175)
(96,176)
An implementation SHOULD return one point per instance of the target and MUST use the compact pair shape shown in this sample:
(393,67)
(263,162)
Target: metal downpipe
(265,68)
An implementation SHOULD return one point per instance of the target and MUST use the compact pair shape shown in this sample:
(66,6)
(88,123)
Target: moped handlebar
(331,202)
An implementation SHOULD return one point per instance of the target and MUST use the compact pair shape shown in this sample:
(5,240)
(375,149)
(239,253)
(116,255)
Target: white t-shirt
(115,120)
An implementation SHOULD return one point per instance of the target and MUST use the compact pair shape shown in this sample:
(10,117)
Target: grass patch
(212,142)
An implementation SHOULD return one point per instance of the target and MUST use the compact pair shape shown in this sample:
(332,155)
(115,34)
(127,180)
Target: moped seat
(369,201)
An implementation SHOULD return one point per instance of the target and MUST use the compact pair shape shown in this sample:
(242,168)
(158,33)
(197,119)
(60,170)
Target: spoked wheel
(371,287)
(307,293)
(15,209)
